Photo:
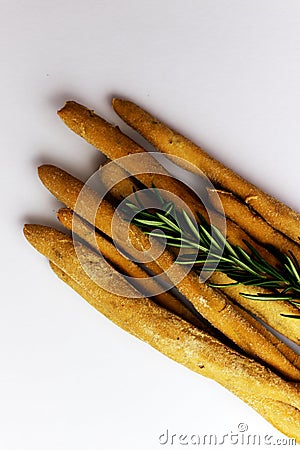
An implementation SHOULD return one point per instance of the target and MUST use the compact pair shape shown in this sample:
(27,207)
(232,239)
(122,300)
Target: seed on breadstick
(212,305)
(171,335)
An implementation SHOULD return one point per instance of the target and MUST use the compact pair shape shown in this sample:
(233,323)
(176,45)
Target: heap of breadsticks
(218,335)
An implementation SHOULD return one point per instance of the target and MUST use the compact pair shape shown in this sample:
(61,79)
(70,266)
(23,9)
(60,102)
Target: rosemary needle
(214,252)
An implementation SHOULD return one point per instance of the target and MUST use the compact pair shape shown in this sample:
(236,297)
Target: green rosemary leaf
(294,259)
(267,297)
(191,225)
(132,206)
(225,285)
(157,194)
(223,241)
(150,223)
(291,267)
(168,208)
(168,222)
(291,316)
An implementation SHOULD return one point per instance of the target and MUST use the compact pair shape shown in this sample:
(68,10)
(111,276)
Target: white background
(226,74)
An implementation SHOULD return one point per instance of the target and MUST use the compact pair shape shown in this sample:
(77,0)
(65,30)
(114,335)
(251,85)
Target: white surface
(225,73)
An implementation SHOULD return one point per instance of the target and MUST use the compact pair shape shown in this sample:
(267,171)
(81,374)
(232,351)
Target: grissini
(274,398)
(115,144)
(86,232)
(68,189)
(255,225)
(212,305)
(265,406)
(171,142)
(123,189)
(269,312)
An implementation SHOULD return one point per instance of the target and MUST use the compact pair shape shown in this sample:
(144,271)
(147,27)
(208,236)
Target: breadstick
(67,189)
(235,234)
(115,145)
(128,267)
(110,179)
(269,312)
(168,301)
(213,306)
(262,405)
(265,407)
(255,225)
(171,142)
(174,337)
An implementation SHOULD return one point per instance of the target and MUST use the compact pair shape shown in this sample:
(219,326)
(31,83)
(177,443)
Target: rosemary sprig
(214,252)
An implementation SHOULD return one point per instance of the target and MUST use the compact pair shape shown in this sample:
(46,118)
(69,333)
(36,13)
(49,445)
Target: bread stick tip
(43,169)
(31,230)
(48,172)
(119,102)
(68,102)
(27,230)
(64,214)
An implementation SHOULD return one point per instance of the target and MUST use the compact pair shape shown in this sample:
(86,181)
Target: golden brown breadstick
(270,409)
(174,337)
(171,142)
(167,300)
(234,233)
(255,225)
(67,189)
(269,312)
(128,267)
(115,145)
(274,411)
(213,306)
